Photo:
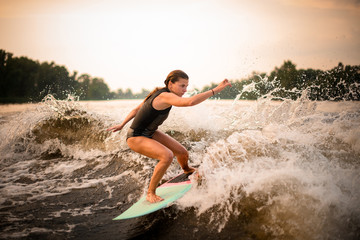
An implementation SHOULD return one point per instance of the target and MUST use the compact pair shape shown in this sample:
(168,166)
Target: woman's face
(179,87)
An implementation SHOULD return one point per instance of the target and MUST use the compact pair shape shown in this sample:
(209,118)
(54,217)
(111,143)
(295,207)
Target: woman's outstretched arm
(177,101)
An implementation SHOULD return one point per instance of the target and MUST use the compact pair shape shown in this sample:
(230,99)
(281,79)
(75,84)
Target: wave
(270,170)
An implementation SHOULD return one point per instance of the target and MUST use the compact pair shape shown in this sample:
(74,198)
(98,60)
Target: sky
(136,43)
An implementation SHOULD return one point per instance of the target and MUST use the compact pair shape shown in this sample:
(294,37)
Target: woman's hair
(172,77)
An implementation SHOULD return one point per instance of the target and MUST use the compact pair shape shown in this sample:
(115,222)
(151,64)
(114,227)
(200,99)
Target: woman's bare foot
(153,198)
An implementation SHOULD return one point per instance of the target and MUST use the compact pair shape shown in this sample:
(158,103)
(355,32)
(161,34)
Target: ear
(170,84)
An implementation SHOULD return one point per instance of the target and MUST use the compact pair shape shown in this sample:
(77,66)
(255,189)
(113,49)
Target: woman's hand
(222,85)
(115,128)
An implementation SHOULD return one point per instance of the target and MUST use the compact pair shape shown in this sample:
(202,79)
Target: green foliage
(339,83)
(24,80)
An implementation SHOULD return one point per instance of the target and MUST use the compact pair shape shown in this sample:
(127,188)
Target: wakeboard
(170,191)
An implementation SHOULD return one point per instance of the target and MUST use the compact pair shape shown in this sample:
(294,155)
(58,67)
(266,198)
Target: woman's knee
(167,157)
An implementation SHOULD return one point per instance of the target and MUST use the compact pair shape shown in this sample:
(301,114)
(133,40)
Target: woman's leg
(179,150)
(153,149)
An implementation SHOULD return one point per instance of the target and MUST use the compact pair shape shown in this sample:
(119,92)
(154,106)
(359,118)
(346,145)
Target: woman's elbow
(191,102)
(185,102)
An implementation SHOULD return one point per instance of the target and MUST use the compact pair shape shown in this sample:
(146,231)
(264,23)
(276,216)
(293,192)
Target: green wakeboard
(170,191)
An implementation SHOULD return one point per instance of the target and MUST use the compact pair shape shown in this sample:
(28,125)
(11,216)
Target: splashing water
(270,170)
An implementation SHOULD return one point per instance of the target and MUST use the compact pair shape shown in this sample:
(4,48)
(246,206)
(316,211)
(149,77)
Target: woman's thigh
(149,147)
(169,142)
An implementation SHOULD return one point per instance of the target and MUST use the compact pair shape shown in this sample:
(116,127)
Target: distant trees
(92,88)
(339,83)
(24,80)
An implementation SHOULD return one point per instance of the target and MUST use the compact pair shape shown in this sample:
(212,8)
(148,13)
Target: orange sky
(134,44)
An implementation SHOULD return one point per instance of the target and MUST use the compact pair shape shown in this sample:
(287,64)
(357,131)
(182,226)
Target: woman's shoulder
(159,102)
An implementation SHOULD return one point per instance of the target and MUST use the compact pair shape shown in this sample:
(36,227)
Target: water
(271,170)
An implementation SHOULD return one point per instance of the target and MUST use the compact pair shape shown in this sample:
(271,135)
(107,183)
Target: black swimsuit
(148,119)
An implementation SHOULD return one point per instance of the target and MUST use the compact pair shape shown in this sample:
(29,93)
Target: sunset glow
(134,44)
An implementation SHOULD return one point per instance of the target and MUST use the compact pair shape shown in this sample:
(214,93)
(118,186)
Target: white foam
(281,163)
(296,160)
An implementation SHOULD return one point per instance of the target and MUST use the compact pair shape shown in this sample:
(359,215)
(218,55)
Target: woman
(143,136)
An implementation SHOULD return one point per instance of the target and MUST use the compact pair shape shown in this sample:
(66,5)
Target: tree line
(286,82)
(25,80)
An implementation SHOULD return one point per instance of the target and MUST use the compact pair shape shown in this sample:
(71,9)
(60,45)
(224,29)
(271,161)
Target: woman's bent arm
(130,116)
